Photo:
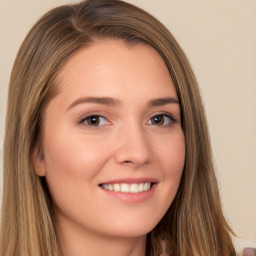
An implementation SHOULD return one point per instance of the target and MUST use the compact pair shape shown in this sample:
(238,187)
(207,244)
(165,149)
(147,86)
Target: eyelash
(164,115)
(84,120)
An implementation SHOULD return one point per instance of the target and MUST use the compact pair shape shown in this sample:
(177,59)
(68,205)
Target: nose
(133,147)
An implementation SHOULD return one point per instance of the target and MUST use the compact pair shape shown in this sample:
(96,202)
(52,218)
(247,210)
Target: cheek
(72,167)
(73,154)
(172,159)
(173,155)
(72,163)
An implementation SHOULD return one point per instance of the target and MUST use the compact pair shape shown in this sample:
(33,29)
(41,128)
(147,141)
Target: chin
(137,229)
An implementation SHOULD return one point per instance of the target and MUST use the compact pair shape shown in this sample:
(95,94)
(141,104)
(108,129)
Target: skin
(132,139)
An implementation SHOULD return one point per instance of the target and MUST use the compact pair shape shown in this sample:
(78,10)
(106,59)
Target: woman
(109,145)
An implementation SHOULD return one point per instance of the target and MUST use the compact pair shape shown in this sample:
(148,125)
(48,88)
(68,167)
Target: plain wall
(219,38)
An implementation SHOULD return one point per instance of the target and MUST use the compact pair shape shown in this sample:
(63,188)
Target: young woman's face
(113,148)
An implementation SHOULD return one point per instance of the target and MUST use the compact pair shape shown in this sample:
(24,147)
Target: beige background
(219,38)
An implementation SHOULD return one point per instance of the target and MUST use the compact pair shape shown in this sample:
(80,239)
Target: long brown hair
(194,223)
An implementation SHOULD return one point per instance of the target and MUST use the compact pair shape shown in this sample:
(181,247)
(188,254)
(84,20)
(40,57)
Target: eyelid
(166,114)
(81,120)
(91,114)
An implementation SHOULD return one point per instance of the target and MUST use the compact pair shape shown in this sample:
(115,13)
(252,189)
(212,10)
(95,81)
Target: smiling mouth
(128,188)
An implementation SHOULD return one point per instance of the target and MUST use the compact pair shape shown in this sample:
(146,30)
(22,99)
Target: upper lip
(131,180)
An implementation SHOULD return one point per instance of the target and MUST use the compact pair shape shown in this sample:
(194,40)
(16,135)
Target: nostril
(131,155)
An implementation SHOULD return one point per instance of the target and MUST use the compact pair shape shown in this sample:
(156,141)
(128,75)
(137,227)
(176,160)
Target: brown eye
(94,120)
(157,120)
(161,120)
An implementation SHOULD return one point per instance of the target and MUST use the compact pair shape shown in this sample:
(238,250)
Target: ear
(38,161)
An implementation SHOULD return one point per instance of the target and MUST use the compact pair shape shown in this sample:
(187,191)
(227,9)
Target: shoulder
(245,247)
(249,251)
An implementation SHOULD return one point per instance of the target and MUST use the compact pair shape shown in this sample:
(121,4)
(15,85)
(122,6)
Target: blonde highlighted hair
(194,224)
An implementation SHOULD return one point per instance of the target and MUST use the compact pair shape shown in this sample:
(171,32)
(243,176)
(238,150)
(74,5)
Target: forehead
(108,65)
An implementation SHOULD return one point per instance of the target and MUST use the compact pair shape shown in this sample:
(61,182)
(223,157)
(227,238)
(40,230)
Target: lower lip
(132,197)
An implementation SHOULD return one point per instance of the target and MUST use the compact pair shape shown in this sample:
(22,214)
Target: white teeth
(105,186)
(116,187)
(141,187)
(134,188)
(146,186)
(127,188)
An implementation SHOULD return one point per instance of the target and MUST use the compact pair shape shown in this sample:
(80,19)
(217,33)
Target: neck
(75,241)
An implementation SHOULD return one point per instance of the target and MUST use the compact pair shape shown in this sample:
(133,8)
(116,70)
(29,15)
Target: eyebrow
(98,100)
(163,101)
(115,102)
